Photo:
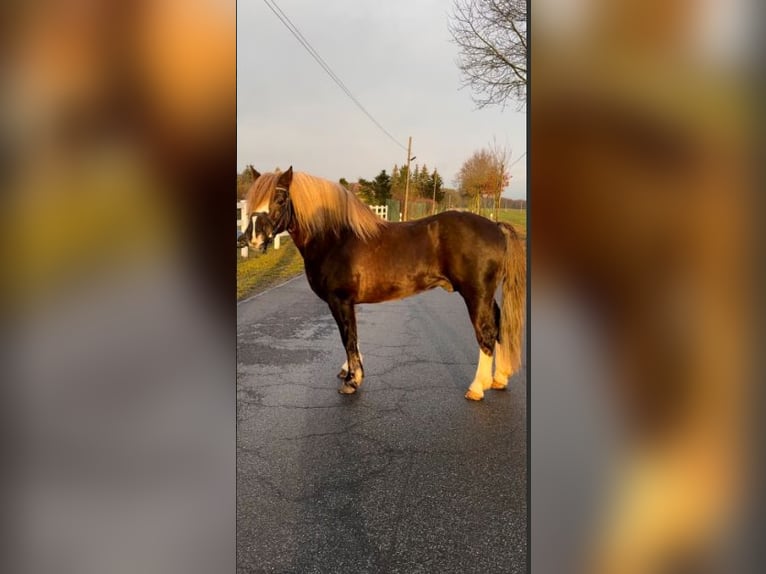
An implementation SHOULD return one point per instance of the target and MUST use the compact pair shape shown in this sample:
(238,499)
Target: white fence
(242,222)
(380,210)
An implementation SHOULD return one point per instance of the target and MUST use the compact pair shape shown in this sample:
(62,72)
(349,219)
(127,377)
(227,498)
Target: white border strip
(267,290)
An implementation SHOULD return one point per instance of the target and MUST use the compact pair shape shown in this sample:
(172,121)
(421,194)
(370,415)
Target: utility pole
(407,181)
(498,199)
(433,206)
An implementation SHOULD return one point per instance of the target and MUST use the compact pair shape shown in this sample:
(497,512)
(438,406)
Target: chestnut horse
(352,256)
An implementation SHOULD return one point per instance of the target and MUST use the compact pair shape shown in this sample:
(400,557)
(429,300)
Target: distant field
(260,271)
(516,217)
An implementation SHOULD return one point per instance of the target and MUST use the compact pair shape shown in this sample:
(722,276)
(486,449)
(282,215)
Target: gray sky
(396,57)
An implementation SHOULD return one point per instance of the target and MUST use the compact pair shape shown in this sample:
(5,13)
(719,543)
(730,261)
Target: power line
(279,13)
(517,160)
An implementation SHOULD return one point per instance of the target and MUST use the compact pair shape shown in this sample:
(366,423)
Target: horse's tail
(514,295)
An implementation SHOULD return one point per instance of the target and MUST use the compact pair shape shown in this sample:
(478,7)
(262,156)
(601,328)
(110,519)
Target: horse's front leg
(343,373)
(345,317)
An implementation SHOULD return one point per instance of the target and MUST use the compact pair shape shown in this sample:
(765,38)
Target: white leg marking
(344,367)
(483,378)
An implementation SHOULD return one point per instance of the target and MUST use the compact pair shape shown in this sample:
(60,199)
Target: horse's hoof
(346,389)
(498,386)
(473,395)
(343,374)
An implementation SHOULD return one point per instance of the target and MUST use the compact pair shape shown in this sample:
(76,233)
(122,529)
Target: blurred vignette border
(642,245)
(118,154)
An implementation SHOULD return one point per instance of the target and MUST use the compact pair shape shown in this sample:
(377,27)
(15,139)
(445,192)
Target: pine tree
(366,191)
(398,182)
(381,187)
(436,181)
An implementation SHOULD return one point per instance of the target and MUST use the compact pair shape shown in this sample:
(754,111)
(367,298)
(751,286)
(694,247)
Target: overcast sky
(396,57)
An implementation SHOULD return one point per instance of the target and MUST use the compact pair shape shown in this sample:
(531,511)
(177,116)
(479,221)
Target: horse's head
(280,206)
(258,234)
(245,238)
(264,231)
(264,226)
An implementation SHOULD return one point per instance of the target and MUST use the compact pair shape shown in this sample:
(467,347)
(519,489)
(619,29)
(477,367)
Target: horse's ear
(286,178)
(251,171)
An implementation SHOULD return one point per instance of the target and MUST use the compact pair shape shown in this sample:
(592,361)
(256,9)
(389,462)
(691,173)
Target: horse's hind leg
(485,323)
(482,380)
(343,313)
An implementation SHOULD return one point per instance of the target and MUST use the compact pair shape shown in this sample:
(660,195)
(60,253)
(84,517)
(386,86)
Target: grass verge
(515,217)
(258,272)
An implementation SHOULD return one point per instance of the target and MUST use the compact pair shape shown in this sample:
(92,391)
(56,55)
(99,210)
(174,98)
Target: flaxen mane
(320,205)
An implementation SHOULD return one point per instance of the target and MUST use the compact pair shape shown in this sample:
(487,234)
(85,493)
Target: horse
(352,256)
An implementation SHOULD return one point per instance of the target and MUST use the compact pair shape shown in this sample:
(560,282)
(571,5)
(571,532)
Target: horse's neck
(306,245)
(297,237)
(318,246)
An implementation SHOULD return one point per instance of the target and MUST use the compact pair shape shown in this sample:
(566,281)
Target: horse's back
(451,233)
(453,250)
(465,226)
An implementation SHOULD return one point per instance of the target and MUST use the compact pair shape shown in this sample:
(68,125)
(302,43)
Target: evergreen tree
(421,182)
(381,187)
(435,180)
(398,182)
(366,191)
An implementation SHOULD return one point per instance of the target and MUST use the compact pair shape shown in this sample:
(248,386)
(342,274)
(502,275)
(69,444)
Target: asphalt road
(404,476)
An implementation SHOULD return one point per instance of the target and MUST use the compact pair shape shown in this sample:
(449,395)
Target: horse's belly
(398,288)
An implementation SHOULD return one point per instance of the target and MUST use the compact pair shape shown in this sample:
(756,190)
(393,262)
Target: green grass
(516,217)
(259,271)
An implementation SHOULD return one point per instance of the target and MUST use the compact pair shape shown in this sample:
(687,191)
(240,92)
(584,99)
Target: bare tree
(484,174)
(501,155)
(492,37)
